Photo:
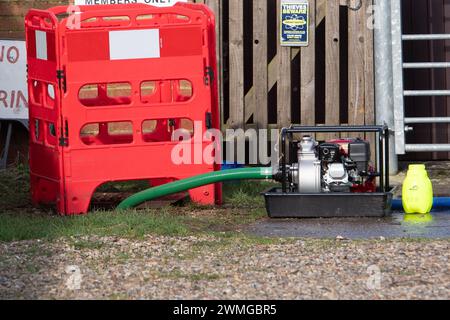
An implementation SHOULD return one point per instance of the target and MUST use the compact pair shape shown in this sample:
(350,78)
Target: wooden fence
(329,82)
(266,85)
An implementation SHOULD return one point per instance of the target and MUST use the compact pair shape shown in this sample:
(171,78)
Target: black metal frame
(383,147)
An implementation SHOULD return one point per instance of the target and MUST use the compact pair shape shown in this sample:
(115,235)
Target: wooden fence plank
(216,7)
(284,78)
(260,71)
(369,79)
(249,101)
(236,35)
(332,65)
(356,54)
(320,11)
(308,72)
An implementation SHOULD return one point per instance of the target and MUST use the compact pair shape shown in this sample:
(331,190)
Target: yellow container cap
(417,167)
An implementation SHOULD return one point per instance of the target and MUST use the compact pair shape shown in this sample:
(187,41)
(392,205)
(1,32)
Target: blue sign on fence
(294,23)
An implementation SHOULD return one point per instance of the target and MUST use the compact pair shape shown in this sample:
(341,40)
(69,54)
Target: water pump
(332,166)
(332,178)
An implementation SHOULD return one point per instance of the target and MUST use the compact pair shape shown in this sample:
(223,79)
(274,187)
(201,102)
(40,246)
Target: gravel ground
(229,268)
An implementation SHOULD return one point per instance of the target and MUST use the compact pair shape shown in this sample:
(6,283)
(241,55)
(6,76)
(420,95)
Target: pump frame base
(327,205)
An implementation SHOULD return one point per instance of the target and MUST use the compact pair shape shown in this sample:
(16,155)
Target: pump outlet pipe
(195,182)
(438,204)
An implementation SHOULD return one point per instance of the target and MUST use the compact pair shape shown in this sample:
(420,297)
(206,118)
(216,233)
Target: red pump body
(107,88)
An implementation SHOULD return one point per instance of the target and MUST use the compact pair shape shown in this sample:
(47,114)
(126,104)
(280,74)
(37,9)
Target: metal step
(427,148)
(443,120)
(425,37)
(426,65)
(426,93)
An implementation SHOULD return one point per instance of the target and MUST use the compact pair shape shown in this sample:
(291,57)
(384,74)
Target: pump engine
(332,166)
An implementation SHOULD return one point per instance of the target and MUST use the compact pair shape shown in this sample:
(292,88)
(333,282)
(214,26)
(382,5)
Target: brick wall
(12,14)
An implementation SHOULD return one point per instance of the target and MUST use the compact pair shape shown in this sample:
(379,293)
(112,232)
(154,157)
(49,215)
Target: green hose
(195,182)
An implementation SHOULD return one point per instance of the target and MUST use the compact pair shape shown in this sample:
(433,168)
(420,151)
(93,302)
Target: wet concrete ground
(434,226)
(357,228)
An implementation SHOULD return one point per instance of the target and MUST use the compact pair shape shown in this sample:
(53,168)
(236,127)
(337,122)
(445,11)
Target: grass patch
(204,277)
(118,296)
(31,268)
(195,277)
(131,224)
(19,221)
(246,194)
(123,256)
(125,187)
(80,245)
(15,188)
(231,241)
(36,250)
(223,221)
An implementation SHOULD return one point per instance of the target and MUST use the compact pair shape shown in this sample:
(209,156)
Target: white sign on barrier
(13,81)
(157,3)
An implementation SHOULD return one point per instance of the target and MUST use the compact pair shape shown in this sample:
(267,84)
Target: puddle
(434,226)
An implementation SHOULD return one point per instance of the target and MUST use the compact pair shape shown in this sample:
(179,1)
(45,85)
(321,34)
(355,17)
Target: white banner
(156,3)
(13,80)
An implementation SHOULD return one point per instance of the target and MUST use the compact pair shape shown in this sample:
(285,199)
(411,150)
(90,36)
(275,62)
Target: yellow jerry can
(417,191)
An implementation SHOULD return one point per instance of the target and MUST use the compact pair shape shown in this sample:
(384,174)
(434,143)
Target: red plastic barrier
(106,96)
